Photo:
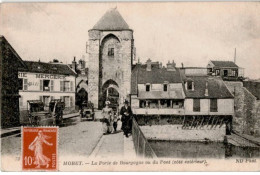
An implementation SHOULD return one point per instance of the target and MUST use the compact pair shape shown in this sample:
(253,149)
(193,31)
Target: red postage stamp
(39,148)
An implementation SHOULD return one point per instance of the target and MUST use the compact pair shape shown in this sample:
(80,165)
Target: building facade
(81,80)
(191,106)
(111,45)
(157,90)
(46,81)
(10,61)
(227,70)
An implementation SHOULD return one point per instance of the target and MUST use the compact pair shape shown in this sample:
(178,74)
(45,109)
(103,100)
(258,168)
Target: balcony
(158,111)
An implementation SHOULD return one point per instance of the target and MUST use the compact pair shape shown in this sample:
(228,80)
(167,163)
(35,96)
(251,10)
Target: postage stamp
(39,148)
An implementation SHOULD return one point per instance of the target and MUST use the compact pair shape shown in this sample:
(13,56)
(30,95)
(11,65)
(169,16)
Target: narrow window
(189,85)
(147,88)
(213,105)
(165,87)
(225,73)
(196,105)
(66,86)
(110,52)
(46,84)
(20,84)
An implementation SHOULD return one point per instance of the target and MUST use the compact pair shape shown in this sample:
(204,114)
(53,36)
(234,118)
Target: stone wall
(246,118)
(103,67)
(175,132)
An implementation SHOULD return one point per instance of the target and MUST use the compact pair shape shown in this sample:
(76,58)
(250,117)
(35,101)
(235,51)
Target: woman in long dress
(36,146)
(107,113)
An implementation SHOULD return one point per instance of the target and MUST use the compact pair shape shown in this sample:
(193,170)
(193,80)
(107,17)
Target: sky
(191,33)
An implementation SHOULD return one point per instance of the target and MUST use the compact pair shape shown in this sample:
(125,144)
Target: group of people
(110,119)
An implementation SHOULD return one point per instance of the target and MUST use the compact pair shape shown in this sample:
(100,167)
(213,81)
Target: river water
(187,149)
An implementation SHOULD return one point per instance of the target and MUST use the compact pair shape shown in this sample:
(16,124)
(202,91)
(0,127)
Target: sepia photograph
(130,86)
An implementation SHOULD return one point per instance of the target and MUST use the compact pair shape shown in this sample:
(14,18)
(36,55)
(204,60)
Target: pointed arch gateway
(110,92)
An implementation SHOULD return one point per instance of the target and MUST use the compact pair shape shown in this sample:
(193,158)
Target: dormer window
(190,85)
(147,87)
(165,87)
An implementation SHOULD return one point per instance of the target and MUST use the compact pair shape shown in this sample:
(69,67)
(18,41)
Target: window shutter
(52,85)
(71,101)
(71,86)
(61,85)
(25,84)
(41,85)
(213,105)
(196,105)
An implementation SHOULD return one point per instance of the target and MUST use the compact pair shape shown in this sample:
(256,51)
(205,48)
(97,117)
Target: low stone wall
(247,110)
(175,132)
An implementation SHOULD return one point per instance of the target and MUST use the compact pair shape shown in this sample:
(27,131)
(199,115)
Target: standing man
(126,113)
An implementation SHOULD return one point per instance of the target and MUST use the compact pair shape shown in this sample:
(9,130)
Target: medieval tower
(110,59)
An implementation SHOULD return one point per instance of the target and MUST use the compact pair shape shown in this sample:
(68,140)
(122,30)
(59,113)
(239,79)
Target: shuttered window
(71,101)
(25,84)
(61,85)
(71,86)
(66,86)
(41,85)
(213,105)
(196,105)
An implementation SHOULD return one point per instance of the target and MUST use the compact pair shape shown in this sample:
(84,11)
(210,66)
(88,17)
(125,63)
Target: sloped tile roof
(224,63)
(48,68)
(216,88)
(20,62)
(111,20)
(156,76)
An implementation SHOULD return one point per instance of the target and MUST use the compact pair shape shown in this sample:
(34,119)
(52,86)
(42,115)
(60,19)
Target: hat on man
(107,102)
(126,102)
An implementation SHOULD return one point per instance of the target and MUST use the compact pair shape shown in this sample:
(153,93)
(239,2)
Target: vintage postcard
(130,86)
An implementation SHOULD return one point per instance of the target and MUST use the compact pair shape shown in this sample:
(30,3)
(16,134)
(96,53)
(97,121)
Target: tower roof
(111,20)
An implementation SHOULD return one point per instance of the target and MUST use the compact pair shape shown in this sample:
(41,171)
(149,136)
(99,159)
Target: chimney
(206,89)
(171,66)
(149,65)
(182,66)
(74,64)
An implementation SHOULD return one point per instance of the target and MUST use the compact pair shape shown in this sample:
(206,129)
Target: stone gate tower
(110,58)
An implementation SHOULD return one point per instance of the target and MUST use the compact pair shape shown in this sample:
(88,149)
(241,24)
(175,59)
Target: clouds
(192,33)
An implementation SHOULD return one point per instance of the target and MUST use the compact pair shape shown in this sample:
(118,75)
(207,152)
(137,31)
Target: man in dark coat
(126,113)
